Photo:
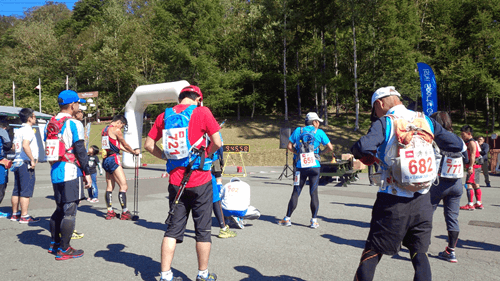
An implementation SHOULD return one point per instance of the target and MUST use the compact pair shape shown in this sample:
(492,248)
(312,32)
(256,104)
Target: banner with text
(428,87)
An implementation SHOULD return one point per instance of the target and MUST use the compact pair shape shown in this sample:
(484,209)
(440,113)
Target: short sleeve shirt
(25,133)
(320,138)
(202,121)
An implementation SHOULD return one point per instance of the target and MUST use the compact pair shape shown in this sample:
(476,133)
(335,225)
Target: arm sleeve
(369,143)
(81,155)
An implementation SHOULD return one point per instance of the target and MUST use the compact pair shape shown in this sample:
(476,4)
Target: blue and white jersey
(235,198)
(320,138)
(388,152)
(25,133)
(71,132)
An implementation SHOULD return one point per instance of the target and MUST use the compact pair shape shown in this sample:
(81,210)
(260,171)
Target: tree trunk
(487,111)
(493,115)
(356,123)
(298,84)
(284,61)
(323,88)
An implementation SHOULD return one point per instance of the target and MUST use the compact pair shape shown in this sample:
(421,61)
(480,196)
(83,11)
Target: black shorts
(197,200)
(69,191)
(397,220)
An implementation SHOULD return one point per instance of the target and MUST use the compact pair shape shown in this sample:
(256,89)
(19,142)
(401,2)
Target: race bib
(175,143)
(52,150)
(18,146)
(307,160)
(417,165)
(105,142)
(452,168)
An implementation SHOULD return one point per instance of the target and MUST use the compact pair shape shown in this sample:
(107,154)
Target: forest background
(258,57)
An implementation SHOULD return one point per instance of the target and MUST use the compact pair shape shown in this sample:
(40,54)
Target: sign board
(86,95)
(236,148)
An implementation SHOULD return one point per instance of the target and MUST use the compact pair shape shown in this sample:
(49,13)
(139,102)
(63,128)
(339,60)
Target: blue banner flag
(428,87)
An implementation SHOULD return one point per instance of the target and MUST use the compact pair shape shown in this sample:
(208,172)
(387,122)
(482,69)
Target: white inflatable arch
(134,111)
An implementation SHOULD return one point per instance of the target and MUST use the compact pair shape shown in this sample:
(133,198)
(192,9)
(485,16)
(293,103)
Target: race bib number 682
(417,165)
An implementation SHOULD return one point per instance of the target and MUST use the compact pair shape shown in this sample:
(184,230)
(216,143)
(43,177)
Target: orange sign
(87,95)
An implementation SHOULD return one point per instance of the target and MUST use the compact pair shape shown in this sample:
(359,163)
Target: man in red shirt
(197,196)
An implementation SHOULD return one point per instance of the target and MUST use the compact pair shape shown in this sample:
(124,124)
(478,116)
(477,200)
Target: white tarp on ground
(134,111)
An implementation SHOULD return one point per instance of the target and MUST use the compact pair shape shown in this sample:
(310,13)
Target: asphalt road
(128,250)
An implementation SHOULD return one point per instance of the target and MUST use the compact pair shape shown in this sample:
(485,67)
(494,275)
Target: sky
(17,7)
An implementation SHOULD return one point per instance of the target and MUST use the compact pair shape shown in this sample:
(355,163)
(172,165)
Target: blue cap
(69,96)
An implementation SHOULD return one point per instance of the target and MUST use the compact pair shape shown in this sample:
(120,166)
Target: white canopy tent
(134,111)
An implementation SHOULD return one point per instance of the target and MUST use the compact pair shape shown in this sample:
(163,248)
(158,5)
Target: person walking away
(372,169)
(485,149)
(304,143)
(402,213)
(5,164)
(66,153)
(112,143)
(449,188)
(236,203)
(184,149)
(26,158)
(473,170)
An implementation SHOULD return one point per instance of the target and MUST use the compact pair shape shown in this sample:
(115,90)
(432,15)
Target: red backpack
(55,149)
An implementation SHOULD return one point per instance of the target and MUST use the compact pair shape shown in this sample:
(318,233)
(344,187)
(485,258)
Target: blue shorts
(3,175)
(215,189)
(24,181)
(111,163)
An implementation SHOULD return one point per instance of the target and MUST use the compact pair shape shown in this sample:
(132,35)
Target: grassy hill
(262,134)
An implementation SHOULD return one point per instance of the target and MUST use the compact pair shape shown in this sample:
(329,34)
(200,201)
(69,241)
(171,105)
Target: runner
(473,170)
(402,214)
(306,155)
(112,143)
(65,150)
(198,194)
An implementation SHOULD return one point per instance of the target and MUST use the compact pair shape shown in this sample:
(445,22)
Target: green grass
(262,134)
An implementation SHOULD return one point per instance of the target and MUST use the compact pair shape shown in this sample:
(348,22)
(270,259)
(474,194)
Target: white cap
(311,116)
(384,92)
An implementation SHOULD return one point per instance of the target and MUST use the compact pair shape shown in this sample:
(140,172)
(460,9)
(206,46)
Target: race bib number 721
(175,143)
(417,165)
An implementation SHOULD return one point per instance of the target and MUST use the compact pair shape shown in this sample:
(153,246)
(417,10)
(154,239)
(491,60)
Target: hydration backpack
(176,146)
(306,141)
(412,157)
(55,149)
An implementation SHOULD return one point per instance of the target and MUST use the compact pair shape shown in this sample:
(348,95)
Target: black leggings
(217,207)
(3,186)
(62,222)
(313,175)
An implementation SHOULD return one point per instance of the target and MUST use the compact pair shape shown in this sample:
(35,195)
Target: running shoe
(488,185)
(478,206)
(94,200)
(226,233)
(284,222)
(448,255)
(110,215)
(126,216)
(173,279)
(53,248)
(4,215)
(28,219)
(314,224)
(89,199)
(76,235)
(14,217)
(70,253)
(211,277)
(237,221)
(467,207)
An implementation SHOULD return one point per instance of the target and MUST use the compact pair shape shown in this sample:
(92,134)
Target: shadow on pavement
(34,237)
(143,266)
(254,274)
(341,241)
(92,210)
(354,205)
(344,221)
(470,244)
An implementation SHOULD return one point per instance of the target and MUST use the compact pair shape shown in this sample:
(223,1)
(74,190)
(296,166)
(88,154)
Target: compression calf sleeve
(367,265)
(218,213)
(470,195)
(122,196)
(479,194)
(422,267)
(452,239)
(109,195)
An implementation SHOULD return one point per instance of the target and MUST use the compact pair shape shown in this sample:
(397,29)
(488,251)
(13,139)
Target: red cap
(194,89)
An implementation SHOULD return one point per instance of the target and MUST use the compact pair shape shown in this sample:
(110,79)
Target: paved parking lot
(127,250)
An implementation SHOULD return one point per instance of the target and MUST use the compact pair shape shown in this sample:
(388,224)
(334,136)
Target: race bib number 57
(175,143)
(52,150)
(417,165)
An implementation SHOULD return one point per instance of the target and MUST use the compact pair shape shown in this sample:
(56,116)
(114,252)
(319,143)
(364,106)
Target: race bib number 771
(417,165)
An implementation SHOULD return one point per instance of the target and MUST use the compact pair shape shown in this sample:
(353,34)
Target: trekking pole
(184,182)
(135,217)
